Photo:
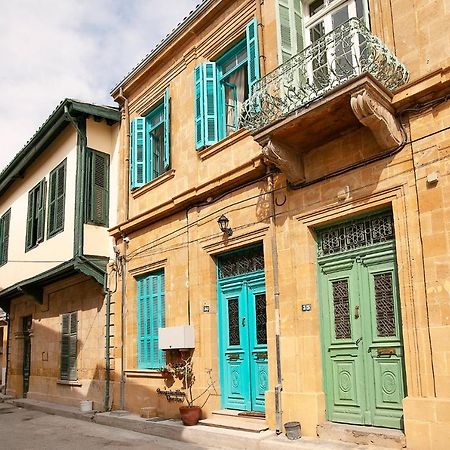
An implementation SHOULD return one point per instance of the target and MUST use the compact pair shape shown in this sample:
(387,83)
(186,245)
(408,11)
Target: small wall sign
(306,307)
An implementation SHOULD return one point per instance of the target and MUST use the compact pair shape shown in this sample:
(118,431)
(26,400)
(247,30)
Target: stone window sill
(223,144)
(69,382)
(166,176)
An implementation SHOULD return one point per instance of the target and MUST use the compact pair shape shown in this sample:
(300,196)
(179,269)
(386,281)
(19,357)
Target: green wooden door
(361,336)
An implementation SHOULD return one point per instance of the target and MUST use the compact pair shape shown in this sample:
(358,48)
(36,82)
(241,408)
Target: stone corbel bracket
(374,112)
(287,159)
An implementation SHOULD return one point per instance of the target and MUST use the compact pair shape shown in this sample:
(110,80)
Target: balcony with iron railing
(343,80)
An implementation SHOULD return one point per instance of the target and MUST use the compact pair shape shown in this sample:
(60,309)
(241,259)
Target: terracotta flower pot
(190,415)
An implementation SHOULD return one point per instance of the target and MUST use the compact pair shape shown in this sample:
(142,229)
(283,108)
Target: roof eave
(48,131)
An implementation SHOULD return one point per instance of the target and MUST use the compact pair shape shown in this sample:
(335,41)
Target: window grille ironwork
(233,321)
(341,308)
(384,303)
(330,61)
(356,234)
(242,262)
(261,318)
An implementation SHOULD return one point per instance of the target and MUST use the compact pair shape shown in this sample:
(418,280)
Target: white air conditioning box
(179,338)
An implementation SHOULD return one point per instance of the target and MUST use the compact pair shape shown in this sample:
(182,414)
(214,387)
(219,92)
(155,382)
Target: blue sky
(53,49)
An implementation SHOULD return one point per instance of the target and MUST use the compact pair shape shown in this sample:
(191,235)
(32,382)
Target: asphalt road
(24,429)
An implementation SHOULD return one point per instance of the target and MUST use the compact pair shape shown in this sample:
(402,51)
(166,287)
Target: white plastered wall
(51,252)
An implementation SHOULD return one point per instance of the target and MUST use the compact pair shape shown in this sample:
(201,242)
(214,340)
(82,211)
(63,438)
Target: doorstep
(203,436)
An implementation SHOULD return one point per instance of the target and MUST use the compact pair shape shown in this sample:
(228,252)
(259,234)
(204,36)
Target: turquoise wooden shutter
(290,28)
(252,53)
(205,88)
(166,129)
(198,108)
(150,317)
(210,103)
(138,152)
(141,302)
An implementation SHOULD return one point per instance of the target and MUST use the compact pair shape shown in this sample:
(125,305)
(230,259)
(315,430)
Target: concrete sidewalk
(200,435)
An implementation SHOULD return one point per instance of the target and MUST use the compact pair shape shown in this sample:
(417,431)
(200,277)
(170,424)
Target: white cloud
(53,49)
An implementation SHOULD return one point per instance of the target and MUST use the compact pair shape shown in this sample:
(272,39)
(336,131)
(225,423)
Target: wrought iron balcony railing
(345,53)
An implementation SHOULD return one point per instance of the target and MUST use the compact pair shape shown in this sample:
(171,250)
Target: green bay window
(151,316)
(150,144)
(221,87)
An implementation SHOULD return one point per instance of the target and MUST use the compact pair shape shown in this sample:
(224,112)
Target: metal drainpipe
(108,293)
(276,289)
(8,340)
(262,55)
(122,261)
(126,153)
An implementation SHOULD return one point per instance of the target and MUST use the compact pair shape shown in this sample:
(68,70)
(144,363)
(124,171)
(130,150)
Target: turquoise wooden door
(361,334)
(243,341)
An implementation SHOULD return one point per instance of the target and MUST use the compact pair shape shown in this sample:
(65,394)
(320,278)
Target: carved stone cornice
(373,112)
(287,159)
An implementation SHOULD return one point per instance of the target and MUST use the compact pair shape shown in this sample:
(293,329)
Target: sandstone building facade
(319,130)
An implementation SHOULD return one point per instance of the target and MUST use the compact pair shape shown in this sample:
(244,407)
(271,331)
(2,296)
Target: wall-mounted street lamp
(223,224)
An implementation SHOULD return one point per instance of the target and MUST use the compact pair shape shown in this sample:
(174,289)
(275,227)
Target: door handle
(358,341)
(357,312)
(243,321)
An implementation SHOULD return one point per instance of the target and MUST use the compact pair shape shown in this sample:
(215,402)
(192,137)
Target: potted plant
(183,370)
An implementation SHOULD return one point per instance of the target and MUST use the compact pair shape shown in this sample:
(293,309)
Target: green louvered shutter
(4,237)
(60,196)
(30,214)
(198,108)
(138,153)
(73,345)
(56,200)
(41,202)
(166,129)
(150,318)
(252,53)
(97,187)
(69,336)
(290,28)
